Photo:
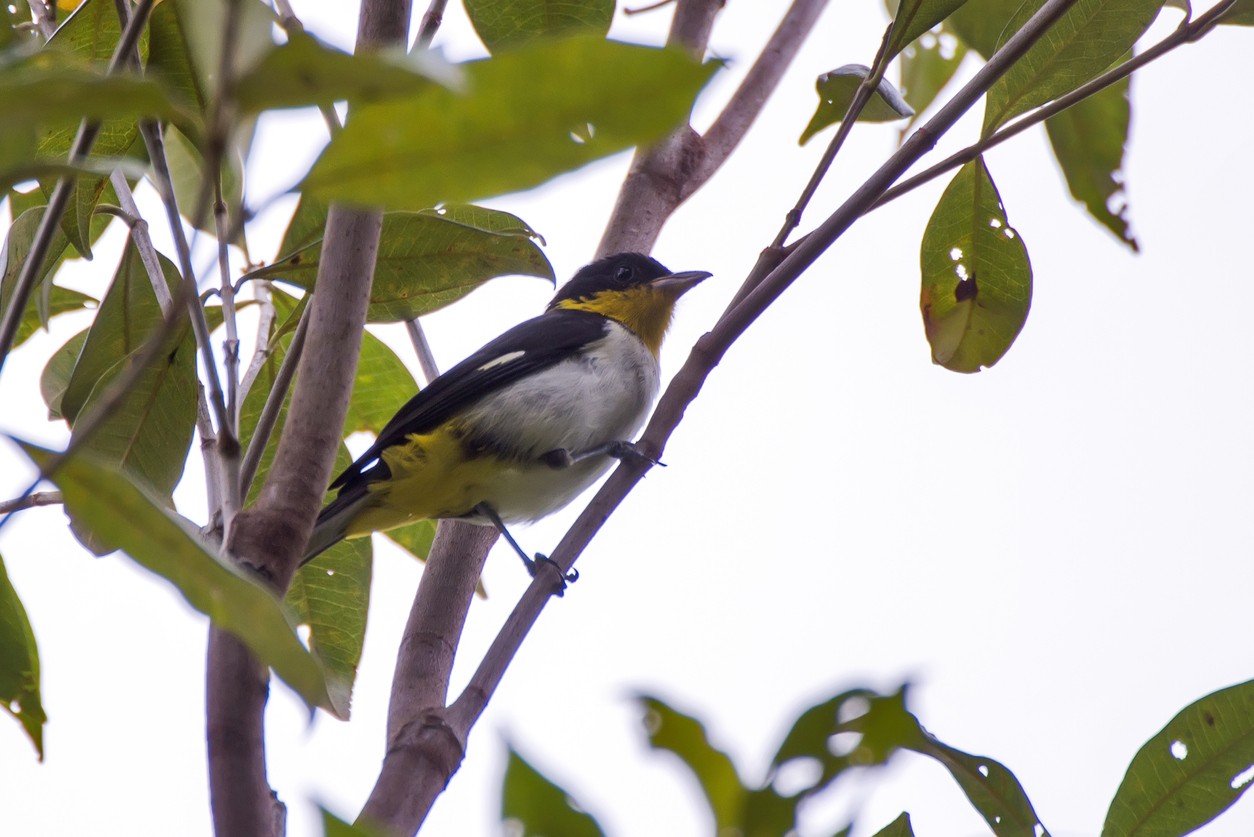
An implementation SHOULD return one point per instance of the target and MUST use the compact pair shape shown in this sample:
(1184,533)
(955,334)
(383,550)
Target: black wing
(528,347)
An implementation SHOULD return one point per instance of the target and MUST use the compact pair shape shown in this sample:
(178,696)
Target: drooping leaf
(836,92)
(416,538)
(927,65)
(123,516)
(331,596)
(914,17)
(535,806)
(1089,140)
(305,72)
(685,736)
(19,665)
(989,785)
(57,373)
(170,60)
(187,173)
(515,22)
(1191,771)
(201,26)
(426,259)
(528,116)
(1088,39)
(977,280)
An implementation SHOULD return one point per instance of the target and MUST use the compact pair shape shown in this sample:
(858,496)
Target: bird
(524,425)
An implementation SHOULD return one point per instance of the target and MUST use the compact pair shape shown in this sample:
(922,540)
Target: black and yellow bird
(521,427)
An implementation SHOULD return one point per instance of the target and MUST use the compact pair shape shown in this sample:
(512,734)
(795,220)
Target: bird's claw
(630,450)
(565,578)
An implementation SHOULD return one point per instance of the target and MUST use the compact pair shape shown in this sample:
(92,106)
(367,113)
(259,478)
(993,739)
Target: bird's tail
(332,524)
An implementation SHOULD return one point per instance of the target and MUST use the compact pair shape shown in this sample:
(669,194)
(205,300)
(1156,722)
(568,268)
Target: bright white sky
(1056,551)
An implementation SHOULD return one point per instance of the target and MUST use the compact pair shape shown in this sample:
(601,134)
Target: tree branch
(271,535)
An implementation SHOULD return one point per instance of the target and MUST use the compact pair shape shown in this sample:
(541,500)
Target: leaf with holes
(927,65)
(836,91)
(509,23)
(528,116)
(19,665)
(540,807)
(685,736)
(977,280)
(1191,771)
(813,737)
(426,259)
(1089,140)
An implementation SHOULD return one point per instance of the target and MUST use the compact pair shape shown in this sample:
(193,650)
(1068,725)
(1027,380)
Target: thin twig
(45,17)
(273,407)
(29,501)
(32,269)
(860,97)
(430,369)
(431,20)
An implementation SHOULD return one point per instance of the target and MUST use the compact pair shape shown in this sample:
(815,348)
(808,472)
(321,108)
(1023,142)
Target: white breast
(603,395)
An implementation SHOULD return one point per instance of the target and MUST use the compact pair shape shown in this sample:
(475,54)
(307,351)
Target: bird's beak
(677,284)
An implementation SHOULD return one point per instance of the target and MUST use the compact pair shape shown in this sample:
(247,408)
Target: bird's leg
(532,564)
(563,458)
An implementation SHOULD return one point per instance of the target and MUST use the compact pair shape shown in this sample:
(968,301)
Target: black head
(619,272)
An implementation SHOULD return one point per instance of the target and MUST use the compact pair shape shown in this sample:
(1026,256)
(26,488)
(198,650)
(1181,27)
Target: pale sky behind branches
(1056,552)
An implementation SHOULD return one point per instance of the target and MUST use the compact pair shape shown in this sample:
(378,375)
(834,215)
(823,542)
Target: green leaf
(57,372)
(187,174)
(128,313)
(331,596)
(1241,14)
(197,42)
(12,258)
(899,827)
(119,513)
(508,23)
(169,57)
(539,806)
(383,383)
(333,826)
(988,784)
(1189,772)
(977,280)
(305,72)
(685,736)
(1088,39)
(62,301)
(426,259)
(856,714)
(981,24)
(914,17)
(530,115)
(836,92)
(927,65)
(19,665)
(91,33)
(415,538)
(1089,139)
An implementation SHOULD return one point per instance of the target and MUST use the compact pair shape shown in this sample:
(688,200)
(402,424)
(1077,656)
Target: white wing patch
(501,361)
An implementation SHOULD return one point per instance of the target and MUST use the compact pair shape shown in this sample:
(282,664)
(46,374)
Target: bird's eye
(623,273)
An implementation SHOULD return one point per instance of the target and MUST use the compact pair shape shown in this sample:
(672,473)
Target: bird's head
(631,289)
